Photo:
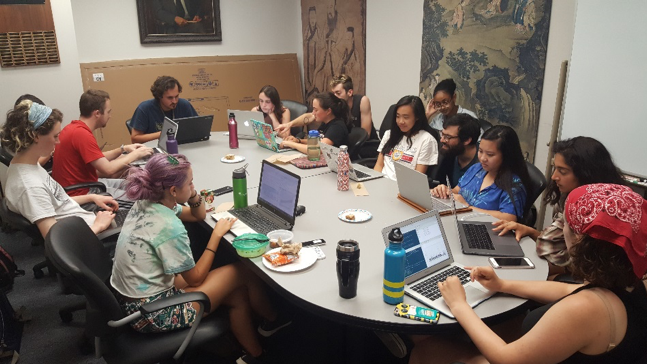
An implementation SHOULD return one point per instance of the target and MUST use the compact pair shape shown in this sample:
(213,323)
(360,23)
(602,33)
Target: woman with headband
(31,132)
(603,320)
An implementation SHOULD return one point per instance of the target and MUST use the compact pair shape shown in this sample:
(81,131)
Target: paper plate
(237,159)
(307,257)
(360,215)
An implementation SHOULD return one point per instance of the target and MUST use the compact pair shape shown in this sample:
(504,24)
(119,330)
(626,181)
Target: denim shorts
(167,319)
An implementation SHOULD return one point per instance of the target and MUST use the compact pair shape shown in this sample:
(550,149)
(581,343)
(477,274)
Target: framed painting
(178,21)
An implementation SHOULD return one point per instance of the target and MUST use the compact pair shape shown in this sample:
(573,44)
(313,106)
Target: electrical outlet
(98,77)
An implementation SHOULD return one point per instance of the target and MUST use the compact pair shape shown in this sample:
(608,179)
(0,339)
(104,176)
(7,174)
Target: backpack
(8,271)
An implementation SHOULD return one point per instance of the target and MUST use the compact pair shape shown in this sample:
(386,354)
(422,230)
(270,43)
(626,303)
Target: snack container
(250,245)
(209,198)
(285,235)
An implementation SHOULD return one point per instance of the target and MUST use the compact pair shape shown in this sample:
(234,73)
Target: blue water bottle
(394,261)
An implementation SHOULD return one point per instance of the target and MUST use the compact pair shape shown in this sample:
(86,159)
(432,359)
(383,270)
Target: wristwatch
(123,150)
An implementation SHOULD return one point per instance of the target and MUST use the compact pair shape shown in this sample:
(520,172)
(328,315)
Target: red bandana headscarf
(612,213)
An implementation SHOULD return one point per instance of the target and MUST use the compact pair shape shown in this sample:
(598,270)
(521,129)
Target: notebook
(357,172)
(244,122)
(477,237)
(429,261)
(266,138)
(278,194)
(193,129)
(414,186)
(169,125)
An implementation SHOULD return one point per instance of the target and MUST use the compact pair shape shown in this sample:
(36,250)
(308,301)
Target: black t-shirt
(336,131)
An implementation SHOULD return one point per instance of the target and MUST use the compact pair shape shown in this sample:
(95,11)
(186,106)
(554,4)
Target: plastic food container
(285,235)
(250,245)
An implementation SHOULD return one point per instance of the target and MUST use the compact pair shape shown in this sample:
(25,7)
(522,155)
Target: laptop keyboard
(477,237)
(439,206)
(361,174)
(429,286)
(124,209)
(260,224)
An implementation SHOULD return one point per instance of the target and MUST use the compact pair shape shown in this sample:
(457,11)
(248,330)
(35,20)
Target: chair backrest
(485,125)
(356,138)
(296,109)
(130,128)
(5,156)
(386,122)
(537,186)
(75,251)
(19,222)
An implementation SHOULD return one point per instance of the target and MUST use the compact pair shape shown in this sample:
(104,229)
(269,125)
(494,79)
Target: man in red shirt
(78,156)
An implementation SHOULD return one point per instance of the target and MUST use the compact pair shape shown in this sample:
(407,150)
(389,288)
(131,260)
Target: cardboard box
(211,84)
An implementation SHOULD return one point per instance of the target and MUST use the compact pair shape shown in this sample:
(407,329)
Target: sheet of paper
(359,189)
(224,206)
(283,158)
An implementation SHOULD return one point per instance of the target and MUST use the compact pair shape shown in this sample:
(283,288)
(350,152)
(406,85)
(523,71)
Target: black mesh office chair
(386,125)
(356,138)
(82,257)
(129,127)
(485,125)
(296,109)
(537,186)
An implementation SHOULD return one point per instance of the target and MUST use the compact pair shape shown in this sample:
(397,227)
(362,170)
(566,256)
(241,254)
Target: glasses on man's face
(440,105)
(447,137)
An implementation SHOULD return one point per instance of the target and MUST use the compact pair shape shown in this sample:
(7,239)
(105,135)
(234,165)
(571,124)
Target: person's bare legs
(256,291)
(436,349)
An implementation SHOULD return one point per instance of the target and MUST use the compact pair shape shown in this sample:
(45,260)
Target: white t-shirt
(438,120)
(423,150)
(34,194)
(153,246)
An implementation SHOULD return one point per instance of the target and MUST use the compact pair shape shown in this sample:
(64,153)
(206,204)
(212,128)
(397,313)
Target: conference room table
(315,289)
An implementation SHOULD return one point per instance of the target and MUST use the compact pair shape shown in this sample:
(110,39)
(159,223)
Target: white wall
(54,84)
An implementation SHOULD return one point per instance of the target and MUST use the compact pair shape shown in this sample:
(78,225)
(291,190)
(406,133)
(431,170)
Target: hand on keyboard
(105,202)
(103,221)
(453,292)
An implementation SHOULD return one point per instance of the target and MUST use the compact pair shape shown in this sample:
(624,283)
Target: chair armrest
(97,185)
(177,299)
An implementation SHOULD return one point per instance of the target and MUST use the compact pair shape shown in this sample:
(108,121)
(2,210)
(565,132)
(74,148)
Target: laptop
(357,172)
(244,122)
(168,125)
(414,186)
(193,129)
(118,222)
(266,138)
(477,237)
(278,194)
(429,261)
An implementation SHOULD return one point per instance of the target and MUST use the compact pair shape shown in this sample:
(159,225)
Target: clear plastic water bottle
(233,132)
(239,182)
(394,261)
(314,152)
(171,143)
(343,166)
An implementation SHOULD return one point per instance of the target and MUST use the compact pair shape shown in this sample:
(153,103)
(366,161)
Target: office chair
(296,109)
(537,186)
(356,138)
(374,144)
(83,258)
(485,125)
(130,128)
(5,158)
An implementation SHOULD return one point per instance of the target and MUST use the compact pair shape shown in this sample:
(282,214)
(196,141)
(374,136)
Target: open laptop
(193,129)
(168,126)
(477,238)
(278,194)
(266,138)
(429,261)
(357,172)
(244,122)
(414,186)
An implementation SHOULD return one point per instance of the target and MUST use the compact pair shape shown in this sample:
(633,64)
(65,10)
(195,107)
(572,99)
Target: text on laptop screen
(424,245)
(279,189)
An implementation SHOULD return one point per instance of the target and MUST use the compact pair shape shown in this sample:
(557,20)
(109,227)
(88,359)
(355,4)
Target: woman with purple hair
(153,258)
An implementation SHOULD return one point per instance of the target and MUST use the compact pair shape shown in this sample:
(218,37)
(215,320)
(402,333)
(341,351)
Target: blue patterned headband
(38,114)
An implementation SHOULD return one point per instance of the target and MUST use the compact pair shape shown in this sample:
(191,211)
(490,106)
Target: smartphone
(315,242)
(423,314)
(511,263)
(222,190)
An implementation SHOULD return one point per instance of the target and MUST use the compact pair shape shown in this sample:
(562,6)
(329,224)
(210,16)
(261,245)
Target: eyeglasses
(447,136)
(440,105)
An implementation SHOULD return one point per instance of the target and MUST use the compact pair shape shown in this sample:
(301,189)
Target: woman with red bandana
(603,320)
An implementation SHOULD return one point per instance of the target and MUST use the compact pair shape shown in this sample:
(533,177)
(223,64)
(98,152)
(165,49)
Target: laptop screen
(424,244)
(279,190)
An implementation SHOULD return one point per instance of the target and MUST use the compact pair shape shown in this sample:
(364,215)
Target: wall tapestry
(334,42)
(495,50)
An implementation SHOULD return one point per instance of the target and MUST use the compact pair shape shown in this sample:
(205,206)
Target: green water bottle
(239,182)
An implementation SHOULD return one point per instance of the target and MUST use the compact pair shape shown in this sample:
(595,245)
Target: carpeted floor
(46,339)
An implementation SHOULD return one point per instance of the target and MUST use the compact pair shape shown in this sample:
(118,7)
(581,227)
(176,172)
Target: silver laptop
(414,186)
(430,260)
(357,172)
(278,194)
(168,126)
(477,237)
(244,122)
